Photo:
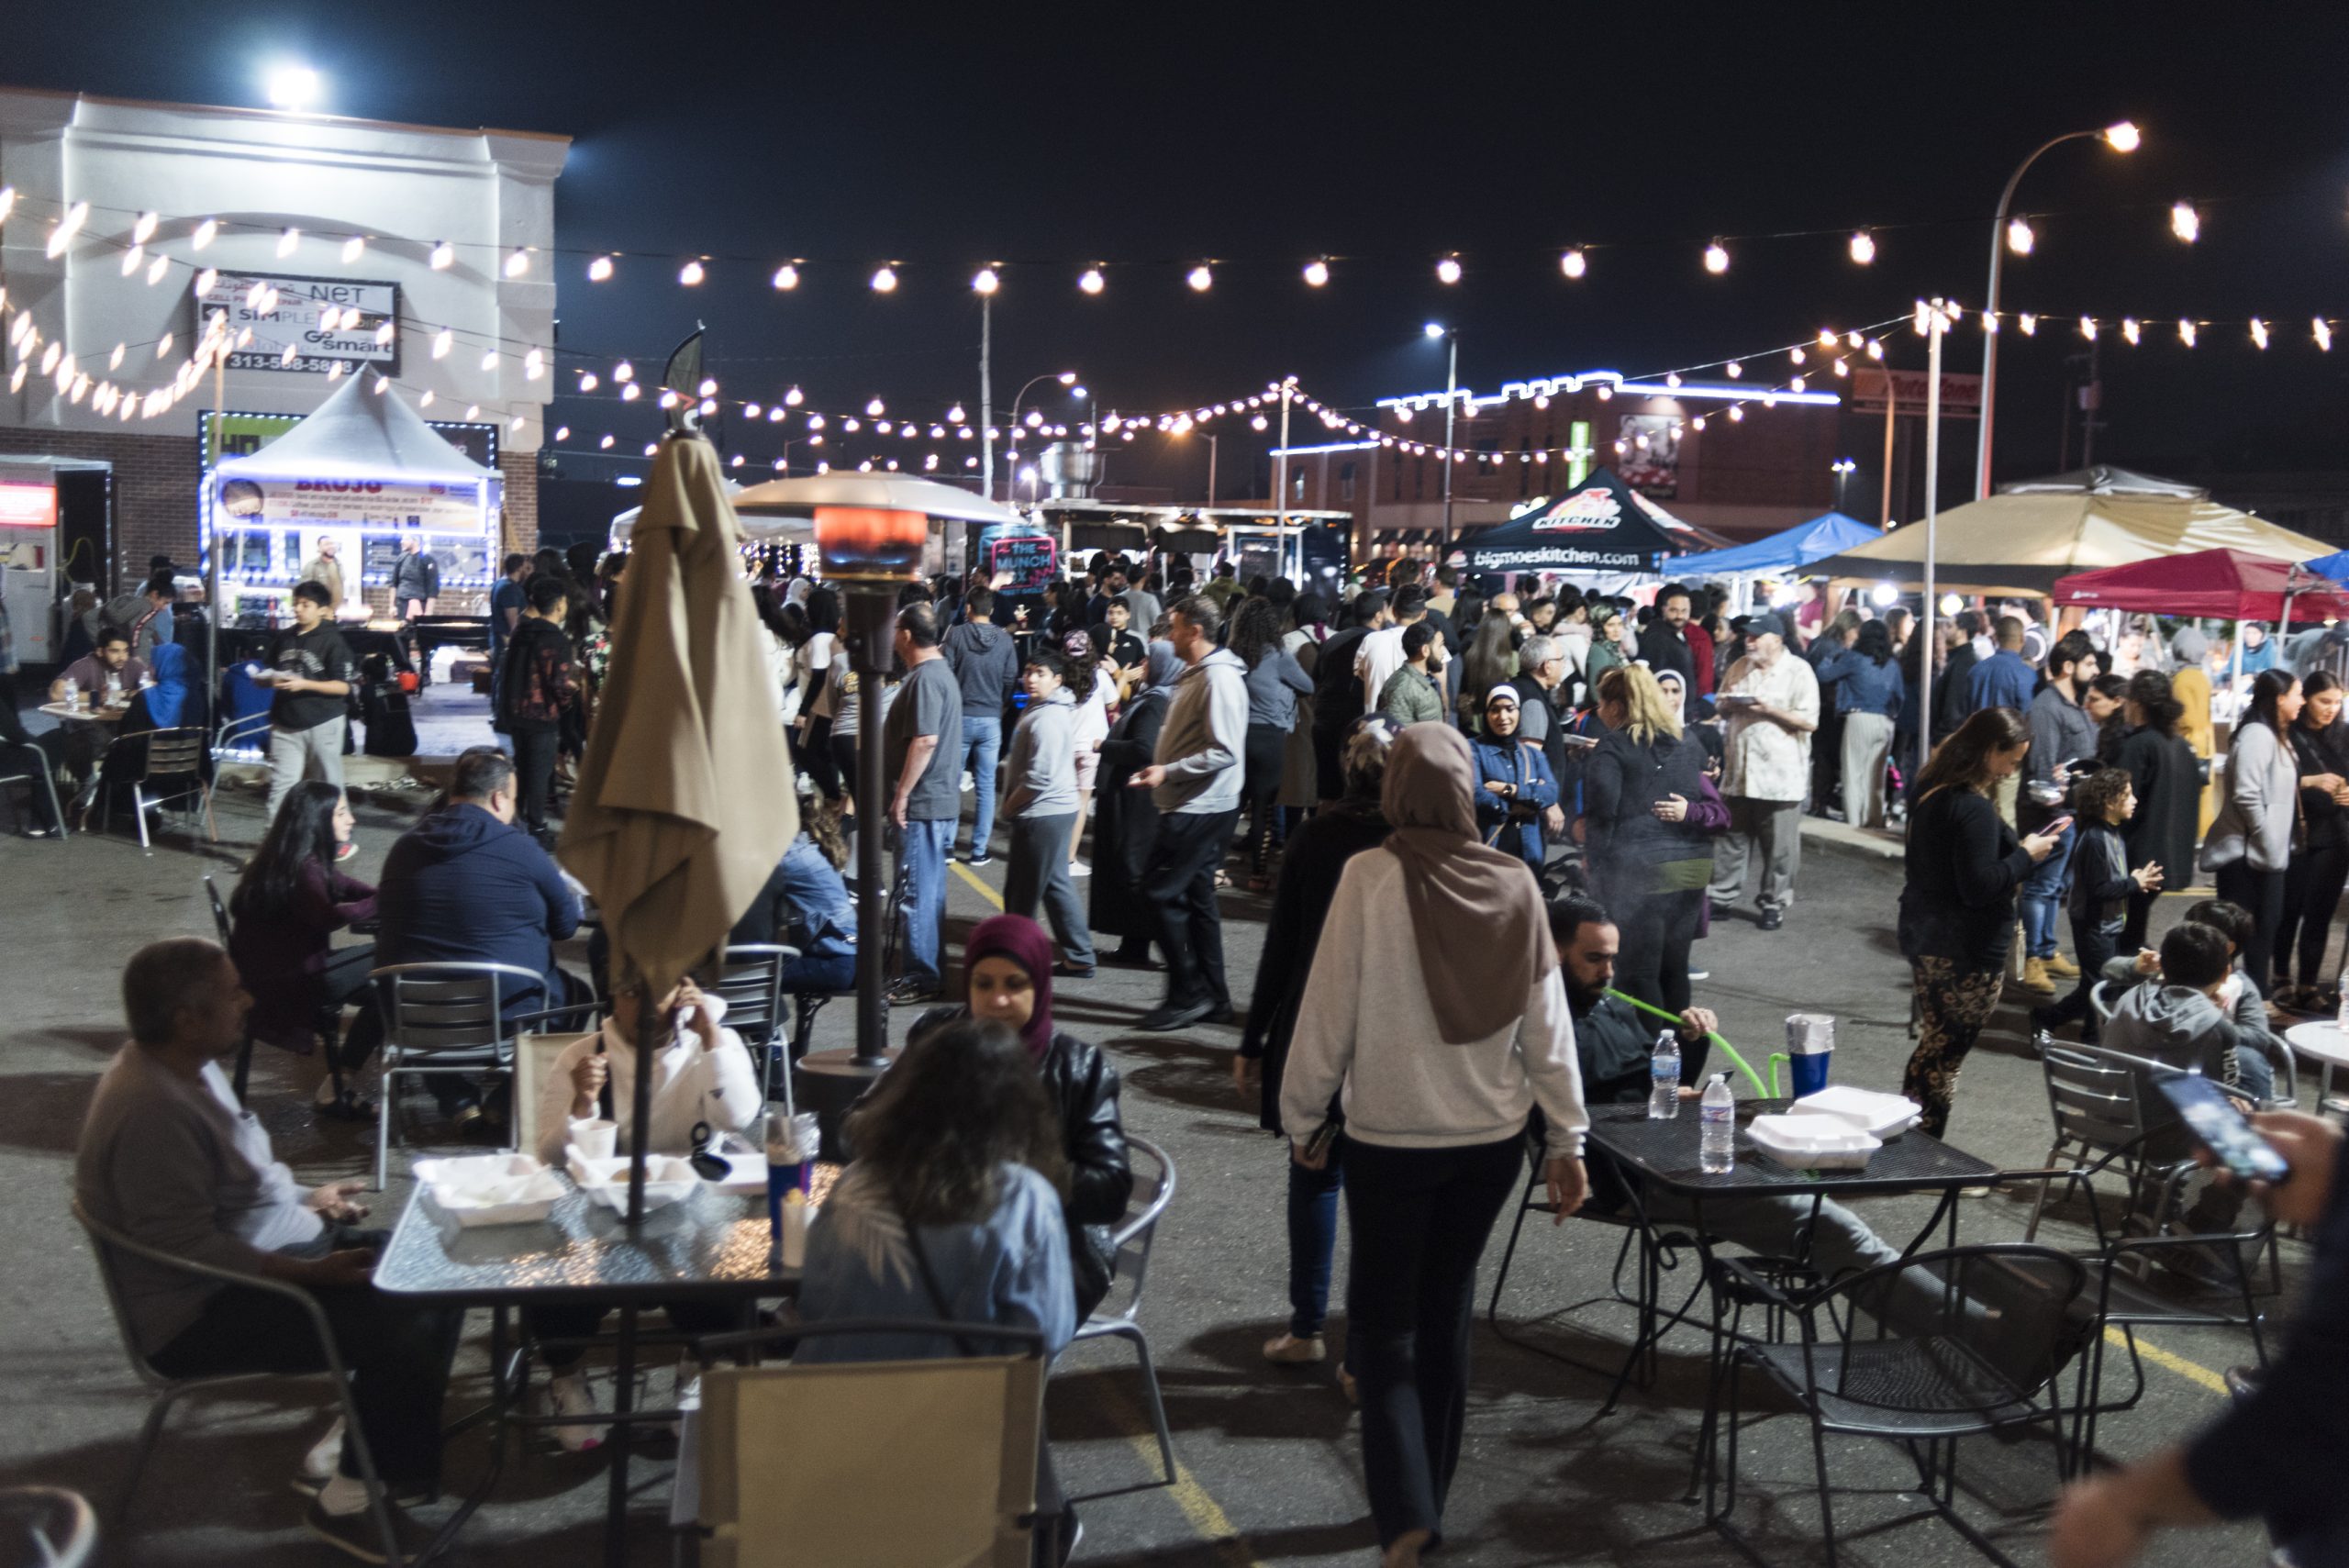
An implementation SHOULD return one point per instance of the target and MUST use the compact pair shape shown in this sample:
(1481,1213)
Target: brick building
(441,241)
(1766,468)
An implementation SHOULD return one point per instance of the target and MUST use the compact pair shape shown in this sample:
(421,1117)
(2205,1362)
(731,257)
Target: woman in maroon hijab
(1007,979)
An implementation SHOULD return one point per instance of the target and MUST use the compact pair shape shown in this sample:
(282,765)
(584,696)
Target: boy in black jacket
(2101,885)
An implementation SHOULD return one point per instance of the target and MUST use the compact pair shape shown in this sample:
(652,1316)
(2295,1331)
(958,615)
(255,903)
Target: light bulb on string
(1854,341)
(2088,325)
(1672,378)
(692,273)
(873,408)
(1447,270)
(289,242)
(2258,332)
(1316,272)
(792,398)
(67,228)
(985,281)
(1733,370)
(1737,413)
(1795,355)
(442,342)
(131,259)
(1843,369)
(1090,279)
(955,416)
(599,269)
(1863,247)
(885,280)
(203,234)
(785,277)
(2019,238)
(631,393)
(158,268)
(1574,263)
(2323,333)
(2129,330)
(426,400)
(1201,278)
(775,414)
(588,380)
(2186,332)
(2184,222)
(2029,324)
(1716,258)
(1990,323)
(708,388)
(7,202)
(352,248)
(444,255)
(489,361)
(623,371)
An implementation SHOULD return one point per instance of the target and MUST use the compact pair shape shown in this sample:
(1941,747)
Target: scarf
(1483,938)
(168,696)
(1675,692)
(1022,941)
(1165,669)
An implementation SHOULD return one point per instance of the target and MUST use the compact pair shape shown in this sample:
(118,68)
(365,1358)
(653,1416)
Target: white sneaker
(1078,868)
(1291,1350)
(323,1463)
(569,1396)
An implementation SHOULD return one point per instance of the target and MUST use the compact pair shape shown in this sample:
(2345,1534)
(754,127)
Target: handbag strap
(930,1283)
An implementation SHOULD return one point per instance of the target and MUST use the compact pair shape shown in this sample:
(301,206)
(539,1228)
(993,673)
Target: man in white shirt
(1772,704)
(1381,653)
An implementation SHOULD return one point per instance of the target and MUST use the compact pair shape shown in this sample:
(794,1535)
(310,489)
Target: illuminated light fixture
(774,415)
(1733,370)
(2323,333)
(1795,385)
(203,234)
(750,411)
(709,388)
(1432,329)
(623,371)
(691,273)
(16,378)
(1954,310)
(1201,278)
(2019,238)
(1795,355)
(1716,258)
(489,361)
(426,400)
(163,345)
(2088,325)
(873,408)
(815,421)
(144,229)
(1090,280)
(606,443)
(352,248)
(1990,323)
(444,256)
(792,398)
(2129,330)
(1574,263)
(668,399)
(288,357)
(67,228)
(2029,323)
(114,361)
(1542,401)
(517,262)
(1068,378)
(1920,320)
(885,279)
(650,448)
(955,416)
(1316,272)
(289,242)
(157,268)
(785,277)
(1841,369)
(708,407)
(49,357)
(588,380)
(131,259)
(1862,247)
(599,269)
(562,432)
(1447,270)
(2122,137)
(883,427)
(1606,394)
(442,342)
(1737,415)
(2186,332)
(7,202)
(1672,378)
(334,371)
(534,365)
(1035,419)
(2259,331)
(293,87)
(985,281)
(2184,222)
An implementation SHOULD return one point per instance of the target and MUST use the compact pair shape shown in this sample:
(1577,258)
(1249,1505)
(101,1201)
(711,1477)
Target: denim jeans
(922,850)
(982,744)
(2043,895)
(1312,1237)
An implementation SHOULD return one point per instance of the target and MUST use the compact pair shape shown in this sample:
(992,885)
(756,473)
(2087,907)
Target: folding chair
(174,755)
(242,740)
(168,1391)
(39,776)
(748,977)
(221,925)
(2097,1098)
(784,1455)
(58,1527)
(1132,1239)
(443,1018)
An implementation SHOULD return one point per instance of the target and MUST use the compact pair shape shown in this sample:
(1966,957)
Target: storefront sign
(364,504)
(298,319)
(1961,394)
(27,505)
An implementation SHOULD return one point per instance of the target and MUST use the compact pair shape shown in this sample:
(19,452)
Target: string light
(2323,333)
(985,281)
(2184,222)
(289,242)
(7,202)
(794,397)
(1574,263)
(203,234)
(785,277)
(2259,332)
(144,229)
(1862,247)
(2019,236)
(885,280)
(1733,370)
(1090,280)
(2029,323)
(588,381)
(489,361)
(709,387)
(691,274)
(352,248)
(873,408)
(623,371)
(2129,330)
(131,259)
(444,256)
(599,269)
(158,268)
(2186,332)
(67,226)
(1201,278)
(442,342)
(1447,270)
(1316,272)
(607,442)
(1716,258)
(2088,325)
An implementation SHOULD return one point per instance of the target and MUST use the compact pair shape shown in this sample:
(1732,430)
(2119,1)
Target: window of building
(1297,487)
(1346,481)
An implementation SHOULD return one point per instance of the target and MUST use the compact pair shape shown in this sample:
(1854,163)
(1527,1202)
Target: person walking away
(415,584)
(2102,884)
(1414,693)
(1337,693)
(507,601)
(985,663)
(1827,746)
(1772,701)
(2006,678)
(1275,683)
(538,693)
(1317,858)
(1125,822)
(1953,687)
(1491,660)
(2166,779)
(2255,837)
(1300,792)
(1515,792)
(926,801)
(1040,799)
(309,710)
(1092,689)
(2190,683)
(1194,779)
(1648,860)
(1957,902)
(2313,881)
(1870,693)
(2063,736)
(1437,1014)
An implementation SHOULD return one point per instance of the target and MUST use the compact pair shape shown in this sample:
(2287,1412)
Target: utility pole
(1450,411)
(986,396)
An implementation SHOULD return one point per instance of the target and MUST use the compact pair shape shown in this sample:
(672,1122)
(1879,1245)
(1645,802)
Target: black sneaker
(1071,971)
(979,857)
(1772,920)
(909,991)
(1173,1016)
(357,1535)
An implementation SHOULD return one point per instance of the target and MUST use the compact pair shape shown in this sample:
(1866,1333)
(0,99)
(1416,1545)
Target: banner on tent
(436,508)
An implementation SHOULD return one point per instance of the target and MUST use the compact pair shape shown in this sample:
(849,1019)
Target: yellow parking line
(967,875)
(2169,1361)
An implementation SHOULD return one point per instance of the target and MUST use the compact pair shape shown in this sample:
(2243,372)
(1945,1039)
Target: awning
(366,430)
(1602,525)
(2226,583)
(1797,547)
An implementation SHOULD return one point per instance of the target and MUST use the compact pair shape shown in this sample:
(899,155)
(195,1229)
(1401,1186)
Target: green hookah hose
(1759,1088)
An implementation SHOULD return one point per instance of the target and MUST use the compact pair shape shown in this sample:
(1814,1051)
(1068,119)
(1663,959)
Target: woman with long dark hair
(1957,907)
(1491,662)
(1275,682)
(2249,849)
(2312,883)
(2167,776)
(813,673)
(287,907)
(1649,863)
(1127,820)
(1869,692)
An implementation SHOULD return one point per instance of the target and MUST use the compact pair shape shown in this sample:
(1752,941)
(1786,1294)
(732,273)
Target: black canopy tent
(1602,525)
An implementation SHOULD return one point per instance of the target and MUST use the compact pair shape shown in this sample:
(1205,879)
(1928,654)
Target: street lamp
(1842,468)
(1066,378)
(2122,137)
(1450,401)
(292,88)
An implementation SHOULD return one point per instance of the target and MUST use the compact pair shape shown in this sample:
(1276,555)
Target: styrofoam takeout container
(667,1180)
(1812,1142)
(491,1189)
(1879,1114)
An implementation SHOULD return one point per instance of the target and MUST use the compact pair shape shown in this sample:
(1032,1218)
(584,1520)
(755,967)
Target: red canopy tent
(2227,584)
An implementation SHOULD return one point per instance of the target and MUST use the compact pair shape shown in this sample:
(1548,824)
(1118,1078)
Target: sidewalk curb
(1861,843)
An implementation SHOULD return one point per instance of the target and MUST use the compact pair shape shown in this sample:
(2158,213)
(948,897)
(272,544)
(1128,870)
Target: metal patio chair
(174,760)
(1132,1241)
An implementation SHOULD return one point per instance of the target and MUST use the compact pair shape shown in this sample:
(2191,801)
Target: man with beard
(2061,733)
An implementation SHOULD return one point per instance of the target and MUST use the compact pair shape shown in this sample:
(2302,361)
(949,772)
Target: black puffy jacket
(1083,1087)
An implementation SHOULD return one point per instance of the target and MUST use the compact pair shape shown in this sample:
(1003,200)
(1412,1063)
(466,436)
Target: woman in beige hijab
(1436,1014)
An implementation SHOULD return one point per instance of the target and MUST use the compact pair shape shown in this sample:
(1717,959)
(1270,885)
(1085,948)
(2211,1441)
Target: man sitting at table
(168,1159)
(465,885)
(705,1074)
(79,745)
(1613,1042)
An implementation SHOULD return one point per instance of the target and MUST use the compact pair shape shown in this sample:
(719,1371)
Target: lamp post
(1842,468)
(2122,137)
(1066,378)
(1451,408)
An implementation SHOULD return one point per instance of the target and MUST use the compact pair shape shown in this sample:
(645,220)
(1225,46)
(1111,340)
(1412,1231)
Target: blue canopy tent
(1788,550)
(2336,566)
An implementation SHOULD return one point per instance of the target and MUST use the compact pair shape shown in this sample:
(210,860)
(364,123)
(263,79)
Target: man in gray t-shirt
(923,766)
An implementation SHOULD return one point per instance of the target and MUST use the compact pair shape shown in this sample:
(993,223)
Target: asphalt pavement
(1269,1457)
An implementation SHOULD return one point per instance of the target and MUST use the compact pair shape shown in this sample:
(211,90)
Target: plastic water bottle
(1664,1072)
(1717,1128)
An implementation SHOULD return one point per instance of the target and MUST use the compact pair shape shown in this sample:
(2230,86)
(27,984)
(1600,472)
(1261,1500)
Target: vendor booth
(1785,554)
(2020,540)
(364,472)
(1603,527)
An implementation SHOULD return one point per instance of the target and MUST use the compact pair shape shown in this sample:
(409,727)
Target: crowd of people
(1493,819)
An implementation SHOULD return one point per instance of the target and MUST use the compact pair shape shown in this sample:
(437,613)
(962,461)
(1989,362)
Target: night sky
(1153,137)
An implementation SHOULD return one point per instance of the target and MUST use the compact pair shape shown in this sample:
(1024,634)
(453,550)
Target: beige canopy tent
(2018,542)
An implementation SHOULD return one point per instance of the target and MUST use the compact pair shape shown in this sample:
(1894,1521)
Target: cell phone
(2058,826)
(2213,1121)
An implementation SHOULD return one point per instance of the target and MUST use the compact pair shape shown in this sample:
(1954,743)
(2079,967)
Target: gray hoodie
(2178,1026)
(1205,736)
(985,663)
(1042,764)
